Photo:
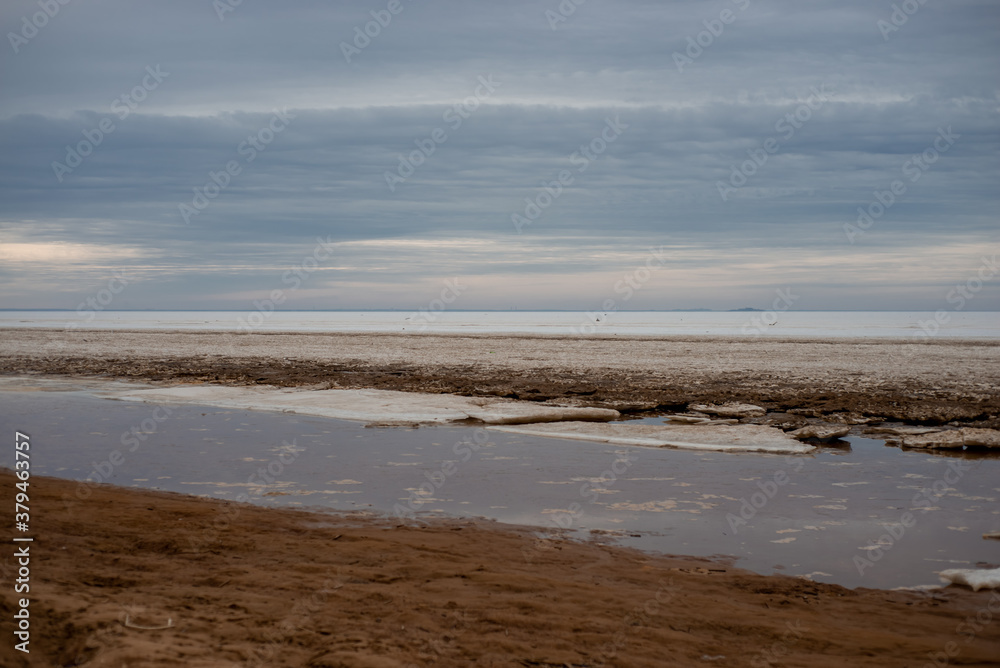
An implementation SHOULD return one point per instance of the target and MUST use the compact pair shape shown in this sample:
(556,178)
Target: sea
(787,324)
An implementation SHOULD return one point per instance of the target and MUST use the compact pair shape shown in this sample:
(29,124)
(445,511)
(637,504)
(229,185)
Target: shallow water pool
(858,515)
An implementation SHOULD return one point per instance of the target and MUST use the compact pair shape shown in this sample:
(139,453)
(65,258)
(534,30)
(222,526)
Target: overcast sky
(739,137)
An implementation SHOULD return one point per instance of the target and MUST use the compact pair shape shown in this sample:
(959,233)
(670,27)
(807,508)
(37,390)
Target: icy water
(896,324)
(836,515)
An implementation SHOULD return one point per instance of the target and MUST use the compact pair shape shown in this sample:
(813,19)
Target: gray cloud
(657,184)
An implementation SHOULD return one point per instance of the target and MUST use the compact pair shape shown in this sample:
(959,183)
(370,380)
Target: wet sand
(912,380)
(240,585)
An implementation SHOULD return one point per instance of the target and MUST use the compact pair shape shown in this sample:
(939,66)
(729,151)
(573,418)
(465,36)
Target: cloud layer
(538,150)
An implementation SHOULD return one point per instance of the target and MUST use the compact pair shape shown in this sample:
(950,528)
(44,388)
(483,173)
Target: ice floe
(973,577)
(957,438)
(723,438)
(383,406)
(821,431)
(904,430)
(688,418)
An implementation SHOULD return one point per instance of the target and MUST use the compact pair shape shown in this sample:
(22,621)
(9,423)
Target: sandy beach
(933,381)
(139,578)
(145,578)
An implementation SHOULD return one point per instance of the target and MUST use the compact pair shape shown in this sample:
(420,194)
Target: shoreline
(236,584)
(942,339)
(624,478)
(847,380)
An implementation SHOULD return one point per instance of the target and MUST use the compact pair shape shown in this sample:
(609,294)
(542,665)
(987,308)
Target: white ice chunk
(368,405)
(821,431)
(972,577)
(723,438)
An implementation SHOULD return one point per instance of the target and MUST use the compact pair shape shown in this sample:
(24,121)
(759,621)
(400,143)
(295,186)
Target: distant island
(746,308)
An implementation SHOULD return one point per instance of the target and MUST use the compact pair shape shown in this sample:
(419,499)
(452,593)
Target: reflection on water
(838,515)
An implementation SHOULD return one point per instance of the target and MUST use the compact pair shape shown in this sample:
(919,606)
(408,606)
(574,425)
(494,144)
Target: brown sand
(243,585)
(936,381)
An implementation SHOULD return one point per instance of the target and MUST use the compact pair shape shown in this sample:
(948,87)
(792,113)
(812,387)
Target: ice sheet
(381,406)
(715,437)
(972,577)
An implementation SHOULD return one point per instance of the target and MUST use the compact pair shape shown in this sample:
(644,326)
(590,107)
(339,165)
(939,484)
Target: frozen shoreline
(939,381)
(582,324)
